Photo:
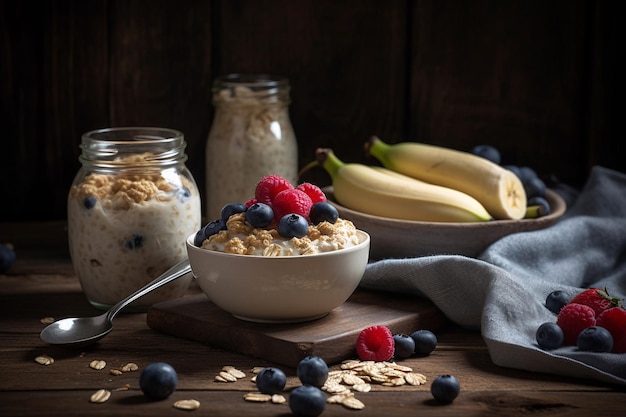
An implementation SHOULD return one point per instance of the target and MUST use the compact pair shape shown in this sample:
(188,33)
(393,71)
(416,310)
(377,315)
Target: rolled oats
(353,403)
(257,397)
(187,404)
(100,396)
(97,365)
(115,371)
(130,367)
(47,320)
(278,399)
(234,371)
(44,360)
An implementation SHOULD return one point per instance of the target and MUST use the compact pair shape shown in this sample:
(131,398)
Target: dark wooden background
(542,80)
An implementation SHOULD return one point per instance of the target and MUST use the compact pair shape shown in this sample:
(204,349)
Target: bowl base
(280,321)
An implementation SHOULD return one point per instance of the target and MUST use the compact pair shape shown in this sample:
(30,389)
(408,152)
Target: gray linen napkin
(503,292)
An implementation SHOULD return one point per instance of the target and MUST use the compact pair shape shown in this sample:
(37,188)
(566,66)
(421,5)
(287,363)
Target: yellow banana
(500,191)
(372,191)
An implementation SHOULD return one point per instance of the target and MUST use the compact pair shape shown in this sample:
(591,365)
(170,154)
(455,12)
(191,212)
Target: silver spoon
(87,330)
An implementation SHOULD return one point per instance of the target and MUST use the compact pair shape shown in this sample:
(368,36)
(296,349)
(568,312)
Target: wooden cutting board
(332,337)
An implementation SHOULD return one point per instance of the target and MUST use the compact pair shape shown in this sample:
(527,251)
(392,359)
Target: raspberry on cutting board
(573,319)
(375,343)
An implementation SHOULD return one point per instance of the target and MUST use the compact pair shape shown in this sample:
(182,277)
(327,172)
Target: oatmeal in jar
(127,223)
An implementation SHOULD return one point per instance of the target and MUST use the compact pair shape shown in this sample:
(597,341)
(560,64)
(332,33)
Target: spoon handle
(175,272)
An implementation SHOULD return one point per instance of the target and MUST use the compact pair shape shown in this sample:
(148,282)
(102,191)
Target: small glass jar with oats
(251,136)
(130,207)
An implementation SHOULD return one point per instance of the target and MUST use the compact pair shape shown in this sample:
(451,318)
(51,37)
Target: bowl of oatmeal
(257,275)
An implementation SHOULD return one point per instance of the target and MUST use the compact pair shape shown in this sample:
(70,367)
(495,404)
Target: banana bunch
(499,190)
(383,192)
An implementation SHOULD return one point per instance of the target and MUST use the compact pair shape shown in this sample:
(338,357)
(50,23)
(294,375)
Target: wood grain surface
(540,80)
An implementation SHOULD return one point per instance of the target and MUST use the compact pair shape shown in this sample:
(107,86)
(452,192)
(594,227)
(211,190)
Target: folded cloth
(503,291)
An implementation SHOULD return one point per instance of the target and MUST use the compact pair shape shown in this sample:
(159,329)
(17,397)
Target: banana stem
(377,148)
(329,161)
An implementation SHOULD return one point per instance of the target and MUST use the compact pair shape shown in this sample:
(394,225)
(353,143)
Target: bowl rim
(362,234)
(557,204)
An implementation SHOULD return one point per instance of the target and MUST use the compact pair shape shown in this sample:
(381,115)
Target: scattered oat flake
(130,367)
(234,372)
(187,404)
(47,320)
(126,387)
(353,403)
(228,377)
(115,372)
(100,396)
(278,399)
(257,397)
(97,365)
(44,360)
(257,369)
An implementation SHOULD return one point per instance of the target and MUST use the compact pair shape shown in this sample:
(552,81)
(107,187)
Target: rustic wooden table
(42,284)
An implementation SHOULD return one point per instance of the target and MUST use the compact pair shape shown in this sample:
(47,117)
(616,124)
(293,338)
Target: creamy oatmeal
(243,239)
(125,230)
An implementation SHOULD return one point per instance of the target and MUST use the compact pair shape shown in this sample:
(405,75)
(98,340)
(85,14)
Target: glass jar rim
(252,80)
(103,147)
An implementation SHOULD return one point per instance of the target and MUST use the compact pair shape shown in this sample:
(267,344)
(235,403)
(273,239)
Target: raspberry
(291,201)
(313,191)
(375,343)
(269,186)
(251,202)
(573,319)
(614,320)
(597,299)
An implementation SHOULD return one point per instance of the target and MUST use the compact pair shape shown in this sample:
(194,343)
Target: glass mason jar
(130,207)
(251,136)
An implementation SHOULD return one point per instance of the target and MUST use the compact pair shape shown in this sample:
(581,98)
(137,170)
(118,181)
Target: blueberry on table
(7,257)
(312,370)
(307,401)
(595,339)
(445,388)
(271,380)
(425,341)
(549,336)
(403,346)
(158,380)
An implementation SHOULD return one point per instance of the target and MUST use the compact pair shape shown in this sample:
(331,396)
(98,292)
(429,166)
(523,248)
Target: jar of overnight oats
(130,208)
(251,137)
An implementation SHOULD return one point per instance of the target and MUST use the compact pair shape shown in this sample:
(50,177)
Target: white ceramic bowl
(283,289)
(393,238)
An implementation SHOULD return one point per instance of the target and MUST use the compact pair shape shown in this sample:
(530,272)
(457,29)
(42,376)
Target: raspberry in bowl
(292,267)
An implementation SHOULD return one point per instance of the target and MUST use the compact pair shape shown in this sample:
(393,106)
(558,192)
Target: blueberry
(207,231)
(425,341)
(259,215)
(90,202)
(595,339)
(135,242)
(535,187)
(312,370)
(158,380)
(445,388)
(549,336)
(232,208)
(556,300)
(403,346)
(7,257)
(539,201)
(323,211)
(271,380)
(526,174)
(514,169)
(293,225)
(488,152)
(307,401)
(183,194)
